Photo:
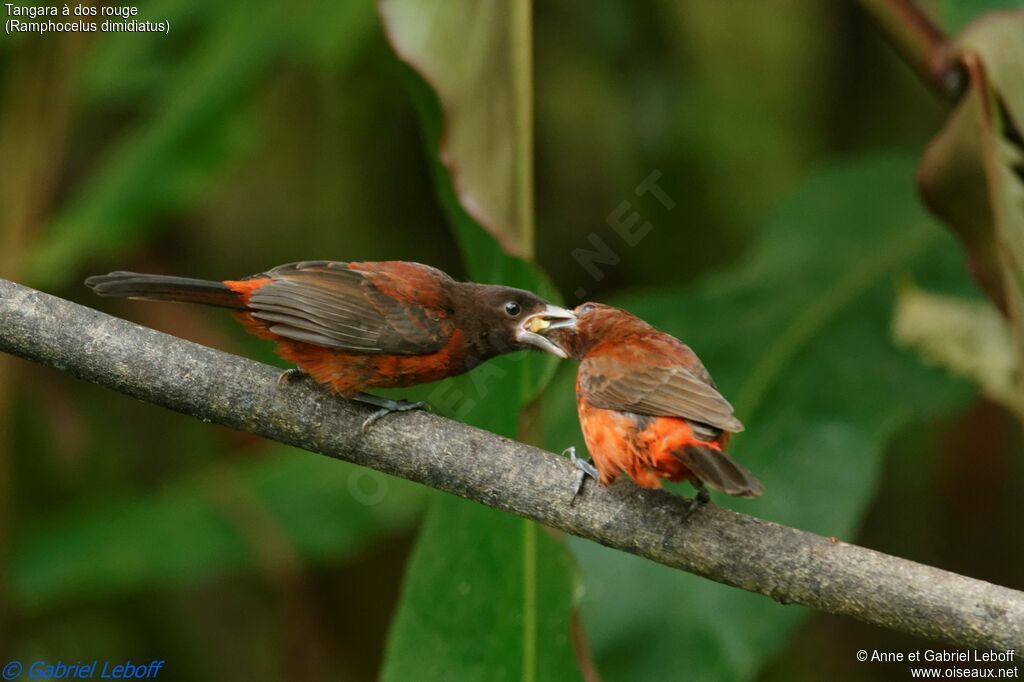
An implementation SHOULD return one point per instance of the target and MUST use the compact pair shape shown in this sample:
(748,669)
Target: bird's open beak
(551,317)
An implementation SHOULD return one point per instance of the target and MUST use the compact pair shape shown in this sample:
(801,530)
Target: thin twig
(786,564)
(920,43)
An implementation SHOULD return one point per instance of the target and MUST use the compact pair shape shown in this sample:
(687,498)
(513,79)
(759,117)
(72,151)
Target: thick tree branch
(788,565)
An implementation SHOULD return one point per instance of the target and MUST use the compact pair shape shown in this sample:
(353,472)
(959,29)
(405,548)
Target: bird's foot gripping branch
(786,564)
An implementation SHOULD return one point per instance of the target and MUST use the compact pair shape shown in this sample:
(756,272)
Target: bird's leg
(584,468)
(386,405)
(288,375)
(699,500)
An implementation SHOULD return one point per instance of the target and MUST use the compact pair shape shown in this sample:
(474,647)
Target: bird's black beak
(551,317)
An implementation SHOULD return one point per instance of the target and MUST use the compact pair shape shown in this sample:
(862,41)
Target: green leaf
(477,57)
(797,335)
(492,395)
(490,593)
(495,609)
(289,508)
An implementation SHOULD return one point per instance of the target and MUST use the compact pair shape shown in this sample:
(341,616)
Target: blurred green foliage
(222,521)
(194,118)
(261,133)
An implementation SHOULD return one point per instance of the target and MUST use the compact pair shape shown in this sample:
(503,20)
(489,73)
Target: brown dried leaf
(476,57)
(972,173)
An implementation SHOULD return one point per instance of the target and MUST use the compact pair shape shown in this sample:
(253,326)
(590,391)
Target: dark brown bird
(648,407)
(355,326)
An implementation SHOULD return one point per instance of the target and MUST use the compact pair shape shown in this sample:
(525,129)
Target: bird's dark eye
(512,309)
(587,307)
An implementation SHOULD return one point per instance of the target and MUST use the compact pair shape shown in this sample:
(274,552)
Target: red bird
(354,326)
(648,407)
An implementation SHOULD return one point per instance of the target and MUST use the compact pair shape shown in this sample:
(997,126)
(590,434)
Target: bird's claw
(387,407)
(584,468)
(288,375)
(699,500)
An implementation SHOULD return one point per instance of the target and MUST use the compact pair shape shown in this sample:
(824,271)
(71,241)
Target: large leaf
(476,54)
(277,514)
(488,596)
(492,595)
(972,173)
(521,375)
(797,334)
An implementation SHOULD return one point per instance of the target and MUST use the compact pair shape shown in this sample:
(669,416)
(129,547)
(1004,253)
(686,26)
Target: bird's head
(503,319)
(594,323)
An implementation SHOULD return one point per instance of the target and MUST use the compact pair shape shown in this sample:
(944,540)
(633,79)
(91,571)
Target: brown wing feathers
(658,389)
(330,305)
(325,307)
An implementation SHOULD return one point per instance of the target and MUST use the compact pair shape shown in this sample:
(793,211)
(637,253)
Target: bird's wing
(390,308)
(656,381)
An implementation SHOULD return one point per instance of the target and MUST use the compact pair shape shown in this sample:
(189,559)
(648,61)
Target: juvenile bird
(648,407)
(355,326)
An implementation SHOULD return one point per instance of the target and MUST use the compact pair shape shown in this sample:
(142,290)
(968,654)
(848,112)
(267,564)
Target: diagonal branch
(921,44)
(786,564)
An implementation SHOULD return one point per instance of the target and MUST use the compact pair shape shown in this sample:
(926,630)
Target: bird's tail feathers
(165,288)
(720,471)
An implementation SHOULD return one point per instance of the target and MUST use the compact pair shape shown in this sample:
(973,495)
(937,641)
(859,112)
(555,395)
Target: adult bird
(357,326)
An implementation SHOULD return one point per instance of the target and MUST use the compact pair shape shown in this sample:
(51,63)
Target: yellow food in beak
(538,324)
